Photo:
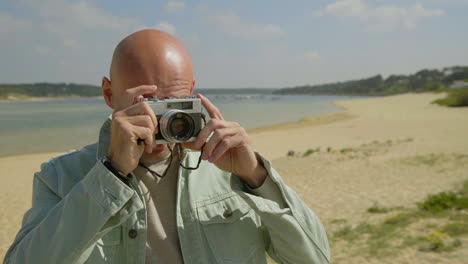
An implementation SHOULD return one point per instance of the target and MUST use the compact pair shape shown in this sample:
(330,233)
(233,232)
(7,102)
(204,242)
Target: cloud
(12,24)
(233,25)
(344,8)
(166,27)
(172,6)
(76,25)
(60,17)
(192,40)
(43,50)
(382,18)
(310,56)
(73,40)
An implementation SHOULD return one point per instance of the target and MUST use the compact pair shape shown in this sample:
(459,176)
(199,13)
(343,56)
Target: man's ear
(107,91)
(193,86)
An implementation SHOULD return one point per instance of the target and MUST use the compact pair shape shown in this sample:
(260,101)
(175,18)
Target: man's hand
(128,125)
(229,147)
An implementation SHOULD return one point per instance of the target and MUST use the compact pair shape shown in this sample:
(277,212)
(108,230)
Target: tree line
(49,90)
(422,81)
(71,89)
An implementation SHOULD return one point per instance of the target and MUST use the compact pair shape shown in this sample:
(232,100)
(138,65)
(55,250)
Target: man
(129,200)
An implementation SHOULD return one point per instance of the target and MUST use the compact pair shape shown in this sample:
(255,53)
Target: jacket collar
(104,138)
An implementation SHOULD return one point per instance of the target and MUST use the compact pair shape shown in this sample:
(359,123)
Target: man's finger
(218,135)
(141,120)
(210,127)
(212,110)
(142,108)
(136,93)
(145,134)
(224,146)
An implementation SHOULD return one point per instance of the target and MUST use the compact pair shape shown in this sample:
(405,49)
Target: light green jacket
(82,213)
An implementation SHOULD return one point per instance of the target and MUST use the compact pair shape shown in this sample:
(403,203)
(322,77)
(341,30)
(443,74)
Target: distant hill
(86,90)
(234,90)
(49,90)
(424,80)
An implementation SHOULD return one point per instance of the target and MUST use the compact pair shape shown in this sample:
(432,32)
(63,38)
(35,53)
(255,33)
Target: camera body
(179,119)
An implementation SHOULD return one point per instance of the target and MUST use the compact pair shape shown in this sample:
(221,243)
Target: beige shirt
(162,243)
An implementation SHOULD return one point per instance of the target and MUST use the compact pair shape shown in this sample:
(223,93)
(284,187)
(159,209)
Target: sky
(236,44)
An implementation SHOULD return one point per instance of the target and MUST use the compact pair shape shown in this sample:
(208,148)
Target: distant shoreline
(22,98)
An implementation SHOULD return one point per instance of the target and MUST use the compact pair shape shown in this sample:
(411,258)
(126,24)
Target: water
(59,125)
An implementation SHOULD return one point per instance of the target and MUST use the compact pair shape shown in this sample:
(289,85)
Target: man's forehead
(150,49)
(152,58)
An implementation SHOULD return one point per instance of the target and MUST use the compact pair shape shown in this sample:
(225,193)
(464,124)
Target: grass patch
(347,233)
(377,209)
(392,234)
(431,226)
(346,150)
(427,160)
(464,189)
(338,221)
(456,229)
(454,98)
(439,242)
(310,151)
(398,220)
(453,159)
(443,201)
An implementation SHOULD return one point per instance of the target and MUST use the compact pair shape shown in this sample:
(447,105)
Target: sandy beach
(373,152)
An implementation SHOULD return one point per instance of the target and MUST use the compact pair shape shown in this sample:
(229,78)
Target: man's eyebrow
(175,83)
(180,89)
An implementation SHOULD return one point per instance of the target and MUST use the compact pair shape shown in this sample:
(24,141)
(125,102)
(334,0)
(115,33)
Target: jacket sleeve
(295,233)
(64,229)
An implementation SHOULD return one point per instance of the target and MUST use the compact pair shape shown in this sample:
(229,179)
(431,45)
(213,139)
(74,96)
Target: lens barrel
(176,126)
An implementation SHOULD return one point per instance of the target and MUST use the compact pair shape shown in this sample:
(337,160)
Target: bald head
(152,57)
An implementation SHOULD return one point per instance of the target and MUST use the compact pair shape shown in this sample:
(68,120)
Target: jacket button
(227,213)
(132,233)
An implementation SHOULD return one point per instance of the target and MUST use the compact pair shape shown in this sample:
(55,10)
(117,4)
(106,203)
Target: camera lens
(177,126)
(181,126)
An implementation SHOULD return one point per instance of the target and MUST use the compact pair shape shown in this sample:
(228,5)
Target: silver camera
(179,119)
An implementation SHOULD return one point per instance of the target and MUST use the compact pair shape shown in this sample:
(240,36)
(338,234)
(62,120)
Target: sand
(374,151)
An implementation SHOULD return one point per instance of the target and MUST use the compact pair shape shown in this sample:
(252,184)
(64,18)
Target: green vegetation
(235,91)
(455,229)
(310,151)
(422,81)
(439,242)
(403,229)
(377,209)
(85,90)
(49,90)
(443,201)
(346,150)
(435,159)
(454,98)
